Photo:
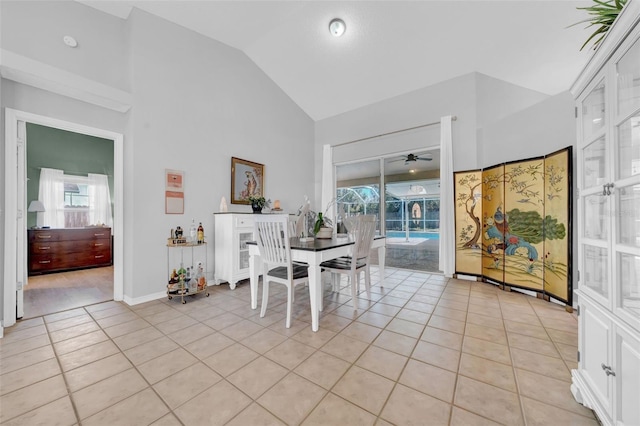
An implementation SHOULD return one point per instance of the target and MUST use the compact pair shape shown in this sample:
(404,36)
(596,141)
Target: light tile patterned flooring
(425,351)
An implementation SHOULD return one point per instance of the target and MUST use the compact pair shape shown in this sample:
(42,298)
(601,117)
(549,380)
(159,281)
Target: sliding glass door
(403,192)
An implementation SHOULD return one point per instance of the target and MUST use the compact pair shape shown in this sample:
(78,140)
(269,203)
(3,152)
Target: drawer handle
(44,236)
(607,370)
(98,235)
(99,256)
(98,244)
(45,261)
(44,248)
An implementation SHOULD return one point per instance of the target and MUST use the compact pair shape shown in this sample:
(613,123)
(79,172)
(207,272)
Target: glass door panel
(629,279)
(412,210)
(594,164)
(596,222)
(629,80)
(629,215)
(358,190)
(595,268)
(593,111)
(628,148)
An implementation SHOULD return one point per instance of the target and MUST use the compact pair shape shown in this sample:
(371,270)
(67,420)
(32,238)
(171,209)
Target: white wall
(538,130)
(497,99)
(196,103)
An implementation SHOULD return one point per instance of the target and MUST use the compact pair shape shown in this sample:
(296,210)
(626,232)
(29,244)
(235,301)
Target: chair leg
(289,303)
(354,289)
(367,281)
(265,296)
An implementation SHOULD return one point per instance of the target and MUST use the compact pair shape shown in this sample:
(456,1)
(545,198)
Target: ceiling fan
(412,158)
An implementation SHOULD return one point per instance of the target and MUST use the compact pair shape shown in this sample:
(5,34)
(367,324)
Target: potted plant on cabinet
(257,203)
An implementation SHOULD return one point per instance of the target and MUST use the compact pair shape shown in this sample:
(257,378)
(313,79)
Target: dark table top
(319,244)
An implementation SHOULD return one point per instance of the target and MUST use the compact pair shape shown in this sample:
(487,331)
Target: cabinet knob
(607,370)
(45,261)
(44,236)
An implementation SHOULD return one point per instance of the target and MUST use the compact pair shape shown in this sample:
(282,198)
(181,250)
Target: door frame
(12,210)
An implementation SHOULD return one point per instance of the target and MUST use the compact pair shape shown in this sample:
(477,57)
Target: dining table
(313,253)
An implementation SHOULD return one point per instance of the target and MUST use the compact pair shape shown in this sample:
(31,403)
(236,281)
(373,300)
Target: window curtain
(447,213)
(51,193)
(328,189)
(99,200)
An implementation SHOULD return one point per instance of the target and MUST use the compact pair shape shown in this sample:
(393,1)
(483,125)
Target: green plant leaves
(603,14)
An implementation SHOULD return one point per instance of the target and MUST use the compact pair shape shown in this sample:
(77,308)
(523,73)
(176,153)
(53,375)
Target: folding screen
(522,238)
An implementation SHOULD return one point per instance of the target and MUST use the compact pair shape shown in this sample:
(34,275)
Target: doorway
(58,278)
(15,248)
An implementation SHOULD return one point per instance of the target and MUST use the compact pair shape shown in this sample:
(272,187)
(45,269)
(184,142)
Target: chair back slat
(363,229)
(272,235)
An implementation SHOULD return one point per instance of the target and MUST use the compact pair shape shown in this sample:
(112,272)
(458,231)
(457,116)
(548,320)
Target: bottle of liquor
(200,234)
(193,231)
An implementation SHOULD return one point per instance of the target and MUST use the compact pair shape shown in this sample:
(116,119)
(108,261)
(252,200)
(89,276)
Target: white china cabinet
(608,127)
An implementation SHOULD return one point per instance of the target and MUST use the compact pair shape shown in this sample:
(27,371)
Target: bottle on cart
(193,232)
(200,234)
(182,275)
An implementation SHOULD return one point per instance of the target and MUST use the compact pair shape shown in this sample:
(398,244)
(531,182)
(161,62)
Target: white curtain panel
(99,200)
(328,189)
(51,193)
(447,212)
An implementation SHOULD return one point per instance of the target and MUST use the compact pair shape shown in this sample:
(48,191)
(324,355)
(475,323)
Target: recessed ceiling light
(70,41)
(337,27)
(412,171)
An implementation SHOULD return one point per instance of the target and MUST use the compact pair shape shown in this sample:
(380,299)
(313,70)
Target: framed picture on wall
(247,179)
(173,191)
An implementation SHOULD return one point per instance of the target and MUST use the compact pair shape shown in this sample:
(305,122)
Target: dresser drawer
(244,221)
(73,234)
(67,247)
(60,261)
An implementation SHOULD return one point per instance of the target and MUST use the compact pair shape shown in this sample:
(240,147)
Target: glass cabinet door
(593,111)
(626,217)
(595,202)
(628,80)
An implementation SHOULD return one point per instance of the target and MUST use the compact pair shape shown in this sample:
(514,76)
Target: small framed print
(174,192)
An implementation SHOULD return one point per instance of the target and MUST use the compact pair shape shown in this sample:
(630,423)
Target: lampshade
(36,206)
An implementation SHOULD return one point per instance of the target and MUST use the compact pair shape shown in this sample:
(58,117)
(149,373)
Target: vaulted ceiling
(390,47)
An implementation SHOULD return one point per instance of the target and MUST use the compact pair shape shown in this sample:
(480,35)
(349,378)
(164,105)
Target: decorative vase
(256,208)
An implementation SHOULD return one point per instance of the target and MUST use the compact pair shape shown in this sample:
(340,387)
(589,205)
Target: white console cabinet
(607,91)
(232,231)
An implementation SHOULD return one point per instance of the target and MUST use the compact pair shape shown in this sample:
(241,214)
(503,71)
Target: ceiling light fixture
(70,41)
(337,27)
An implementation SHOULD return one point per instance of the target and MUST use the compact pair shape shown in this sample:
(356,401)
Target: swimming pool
(414,234)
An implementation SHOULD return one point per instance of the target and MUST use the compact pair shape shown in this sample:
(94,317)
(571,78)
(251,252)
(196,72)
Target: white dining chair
(272,236)
(363,230)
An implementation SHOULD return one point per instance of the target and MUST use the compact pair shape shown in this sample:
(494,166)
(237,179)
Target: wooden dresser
(54,250)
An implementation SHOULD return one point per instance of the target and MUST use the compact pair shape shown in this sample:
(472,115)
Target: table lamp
(36,206)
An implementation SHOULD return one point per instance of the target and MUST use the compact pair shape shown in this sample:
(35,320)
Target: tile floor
(425,351)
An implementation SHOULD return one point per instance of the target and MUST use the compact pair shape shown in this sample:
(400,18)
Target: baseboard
(143,299)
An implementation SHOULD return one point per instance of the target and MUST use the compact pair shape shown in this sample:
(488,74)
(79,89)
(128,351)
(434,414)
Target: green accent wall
(75,153)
